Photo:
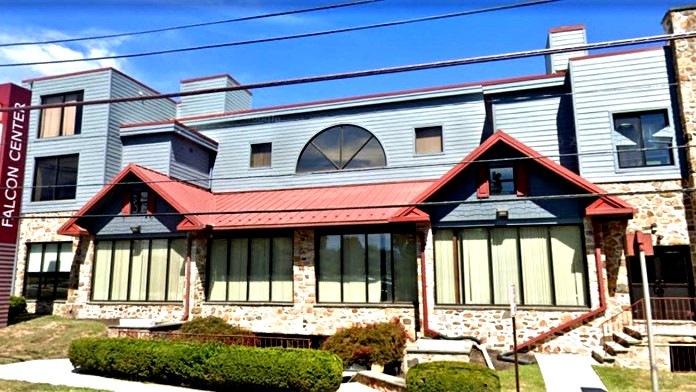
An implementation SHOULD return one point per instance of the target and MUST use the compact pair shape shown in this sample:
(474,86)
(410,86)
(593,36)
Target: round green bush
(212,326)
(380,343)
(18,306)
(451,376)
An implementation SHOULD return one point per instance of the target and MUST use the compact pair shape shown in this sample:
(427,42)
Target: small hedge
(207,366)
(212,326)
(18,307)
(450,376)
(380,343)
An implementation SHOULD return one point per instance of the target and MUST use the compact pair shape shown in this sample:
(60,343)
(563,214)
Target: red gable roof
(605,205)
(337,205)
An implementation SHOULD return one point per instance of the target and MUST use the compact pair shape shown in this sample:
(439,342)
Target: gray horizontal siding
(90,144)
(195,105)
(128,113)
(190,162)
(564,39)
(462,119)
(533,121)
(606,85)
(151,151)
(541,183)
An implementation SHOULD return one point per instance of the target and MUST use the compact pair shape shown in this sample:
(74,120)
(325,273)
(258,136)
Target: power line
(450,164)
(188,26)
(372,72)
(379,206)
(286,37)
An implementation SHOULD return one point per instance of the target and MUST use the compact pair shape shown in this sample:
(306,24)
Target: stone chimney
(564,37)
(197,105)
(681,20)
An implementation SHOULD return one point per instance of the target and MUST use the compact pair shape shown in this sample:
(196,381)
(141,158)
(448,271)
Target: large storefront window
(48,271)
(251,269)
(367,268)
(476,266)
(139,270)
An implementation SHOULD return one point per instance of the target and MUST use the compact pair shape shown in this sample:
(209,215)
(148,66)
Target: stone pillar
(680,20)
(304,277)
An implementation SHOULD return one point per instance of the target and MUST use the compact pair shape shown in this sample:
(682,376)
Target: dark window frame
(343,162)
(461,285)
(425,129)
(260,148)
(271,237)
(390,264)
(640,150)
(130,271)
(78,114)
(58,276)
(67,192)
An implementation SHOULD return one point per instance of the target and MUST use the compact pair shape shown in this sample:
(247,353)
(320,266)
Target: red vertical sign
(13,147)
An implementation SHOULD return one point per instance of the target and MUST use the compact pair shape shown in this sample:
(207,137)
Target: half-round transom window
(342,147)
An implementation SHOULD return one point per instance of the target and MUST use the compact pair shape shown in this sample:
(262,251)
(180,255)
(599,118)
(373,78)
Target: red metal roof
(321,206)
(337,205)
(609,205)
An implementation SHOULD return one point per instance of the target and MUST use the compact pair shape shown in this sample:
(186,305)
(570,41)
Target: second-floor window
(341,147)
(55,178)
(60,121)
(260,155)
(643,139)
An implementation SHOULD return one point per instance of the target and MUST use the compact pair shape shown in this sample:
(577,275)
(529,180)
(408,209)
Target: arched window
(342,147)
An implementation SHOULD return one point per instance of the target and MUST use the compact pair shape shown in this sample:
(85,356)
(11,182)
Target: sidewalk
(60,372)
(569,373)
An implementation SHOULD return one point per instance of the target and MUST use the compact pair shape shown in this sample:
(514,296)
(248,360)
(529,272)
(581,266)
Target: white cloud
(51,52)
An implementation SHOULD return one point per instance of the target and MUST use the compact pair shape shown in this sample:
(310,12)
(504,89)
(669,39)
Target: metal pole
(514,348)
(648,317)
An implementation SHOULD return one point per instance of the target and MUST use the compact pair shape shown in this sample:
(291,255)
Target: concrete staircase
(620,343)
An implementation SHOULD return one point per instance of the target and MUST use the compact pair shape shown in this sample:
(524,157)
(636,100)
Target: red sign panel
(13,147)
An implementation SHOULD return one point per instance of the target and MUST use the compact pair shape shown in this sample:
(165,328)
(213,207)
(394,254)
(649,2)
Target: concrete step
(614,348)
(625,339)
(601,356)
(633,331)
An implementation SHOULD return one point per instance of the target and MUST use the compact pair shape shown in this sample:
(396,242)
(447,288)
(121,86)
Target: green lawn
(21,386)
(44,337)
(615,379)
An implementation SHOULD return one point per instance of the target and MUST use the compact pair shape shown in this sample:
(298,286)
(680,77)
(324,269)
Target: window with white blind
(60,121)
(428,140)
(367,268)
(48,271)
(139,270)
(476,266)
(255,269)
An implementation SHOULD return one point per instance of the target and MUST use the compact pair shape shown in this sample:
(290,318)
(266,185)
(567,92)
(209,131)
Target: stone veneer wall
(681,20)
(304,315)
(494,326)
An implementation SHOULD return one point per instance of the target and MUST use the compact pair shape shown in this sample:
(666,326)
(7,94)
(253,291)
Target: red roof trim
(376,95)
(608,206)
(89,71)
(202,78)
(67,227)
(502,137)
(617,53)
(292,225)
(561,29)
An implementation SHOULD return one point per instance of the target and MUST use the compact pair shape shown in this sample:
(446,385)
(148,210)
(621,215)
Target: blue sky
(460,37)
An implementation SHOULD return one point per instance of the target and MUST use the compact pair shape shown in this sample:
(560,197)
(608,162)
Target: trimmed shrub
(450,376)
(212,326)
(380,343)
(207,366)
(18,306)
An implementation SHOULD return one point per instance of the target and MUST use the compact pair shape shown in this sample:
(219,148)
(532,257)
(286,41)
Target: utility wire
(378,206)
(224,21)
(286,37)
(371,72)
(450,164)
